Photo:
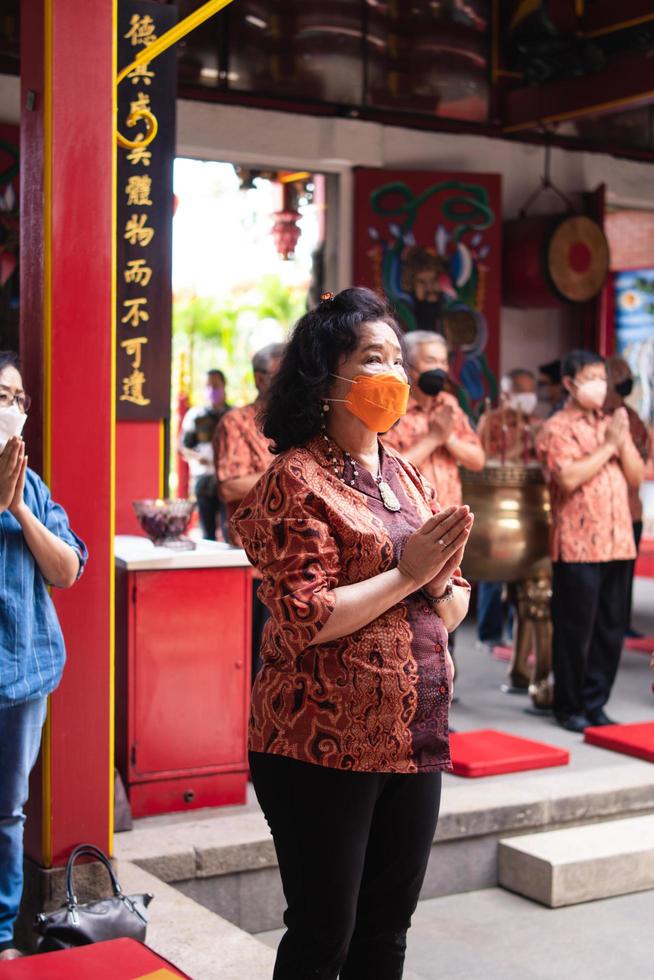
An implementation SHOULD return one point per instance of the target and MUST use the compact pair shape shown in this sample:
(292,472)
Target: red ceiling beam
(623,85)
(608,16)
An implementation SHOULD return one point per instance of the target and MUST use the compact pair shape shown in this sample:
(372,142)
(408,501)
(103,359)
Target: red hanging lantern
(286,232)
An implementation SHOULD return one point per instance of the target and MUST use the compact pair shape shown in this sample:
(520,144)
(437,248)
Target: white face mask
(524,401)
(11,424)
(591,394)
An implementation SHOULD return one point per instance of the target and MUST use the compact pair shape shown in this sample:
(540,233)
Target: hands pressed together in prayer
(434,552)
(13,466)
(618,429)
(441,424)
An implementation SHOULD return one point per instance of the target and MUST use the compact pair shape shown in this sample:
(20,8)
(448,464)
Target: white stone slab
(138,554)
(580,864)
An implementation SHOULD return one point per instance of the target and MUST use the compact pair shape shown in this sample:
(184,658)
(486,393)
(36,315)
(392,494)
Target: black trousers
(638,533)
(589,618)
(211,509)
(352,850)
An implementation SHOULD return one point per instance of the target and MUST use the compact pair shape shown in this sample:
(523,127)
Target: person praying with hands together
(37,549)
(360,573)
(590,461)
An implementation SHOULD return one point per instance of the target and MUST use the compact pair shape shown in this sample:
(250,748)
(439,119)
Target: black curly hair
(293,411)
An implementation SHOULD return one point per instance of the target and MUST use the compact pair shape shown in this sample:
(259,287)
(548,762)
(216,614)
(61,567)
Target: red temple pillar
(68,152)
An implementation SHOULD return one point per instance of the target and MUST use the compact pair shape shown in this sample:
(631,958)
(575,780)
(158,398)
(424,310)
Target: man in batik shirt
(435,434)
(242,455)
(620,386)
(590,460)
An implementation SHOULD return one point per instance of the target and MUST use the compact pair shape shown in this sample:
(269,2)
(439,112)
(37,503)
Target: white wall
(9,99)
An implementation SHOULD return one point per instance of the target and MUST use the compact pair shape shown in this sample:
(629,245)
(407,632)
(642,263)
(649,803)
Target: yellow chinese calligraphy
(133,386)
(136,232)
(135,314)
(142,101)
(138,189)
(141,30)
(138,271)
(141,73)
(139,154)
(133,347)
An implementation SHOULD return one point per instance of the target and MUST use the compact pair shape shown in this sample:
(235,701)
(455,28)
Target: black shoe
(573,723)
(600,717)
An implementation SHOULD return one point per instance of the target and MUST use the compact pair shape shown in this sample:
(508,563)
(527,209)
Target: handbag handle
(92,851)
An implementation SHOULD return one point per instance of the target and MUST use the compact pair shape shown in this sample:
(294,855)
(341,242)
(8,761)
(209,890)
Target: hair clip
(326,297)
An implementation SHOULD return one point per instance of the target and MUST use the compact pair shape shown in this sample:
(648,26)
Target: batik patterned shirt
(440,469)
(507,436)
(593,523)
(32,652)
(240,448)
(376,700)
(640,436)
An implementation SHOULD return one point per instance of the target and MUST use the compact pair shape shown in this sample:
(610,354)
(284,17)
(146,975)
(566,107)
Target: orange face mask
(379,400)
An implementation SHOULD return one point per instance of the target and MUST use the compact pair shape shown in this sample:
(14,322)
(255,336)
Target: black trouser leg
(608,632)
(638,533)
(207,511)
(393,874)
(352,850)
(575,598)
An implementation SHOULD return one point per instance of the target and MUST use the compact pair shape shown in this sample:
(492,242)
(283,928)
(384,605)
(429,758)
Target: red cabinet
(182,685)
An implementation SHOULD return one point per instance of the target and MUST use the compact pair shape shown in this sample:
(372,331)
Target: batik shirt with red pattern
(376,700)
(240,448)
(440,468)
(593,523)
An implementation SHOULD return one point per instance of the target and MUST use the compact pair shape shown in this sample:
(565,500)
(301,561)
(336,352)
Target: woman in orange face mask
(349,723)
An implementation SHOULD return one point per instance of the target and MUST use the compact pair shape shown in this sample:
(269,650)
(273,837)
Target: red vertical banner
(432,243)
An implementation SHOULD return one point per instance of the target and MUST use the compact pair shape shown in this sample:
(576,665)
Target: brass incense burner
(510,537)
(510,543)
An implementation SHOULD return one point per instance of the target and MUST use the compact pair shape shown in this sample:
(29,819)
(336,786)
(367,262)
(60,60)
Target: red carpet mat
(486,752)
(120,959)
(645,560)
(641,644)
(635,739)
(506,653)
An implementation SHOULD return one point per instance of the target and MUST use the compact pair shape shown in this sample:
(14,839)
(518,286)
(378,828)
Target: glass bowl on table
(165,521)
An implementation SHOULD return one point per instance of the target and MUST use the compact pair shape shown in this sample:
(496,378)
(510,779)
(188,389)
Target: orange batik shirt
(640,436)
(506,436)
(593,523)
(240,447)
(440,469)
(373,701)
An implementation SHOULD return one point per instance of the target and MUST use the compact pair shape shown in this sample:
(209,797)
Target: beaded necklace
(388,496)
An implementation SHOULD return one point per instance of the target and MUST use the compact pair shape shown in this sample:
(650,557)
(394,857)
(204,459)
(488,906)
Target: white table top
(137,553)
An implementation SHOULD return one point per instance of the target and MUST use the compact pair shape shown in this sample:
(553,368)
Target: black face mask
(624,388)
(432,382)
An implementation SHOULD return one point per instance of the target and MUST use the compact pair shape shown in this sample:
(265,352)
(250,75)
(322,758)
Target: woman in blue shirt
(37,550)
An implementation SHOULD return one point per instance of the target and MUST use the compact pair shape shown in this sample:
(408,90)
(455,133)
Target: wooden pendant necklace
(388,496)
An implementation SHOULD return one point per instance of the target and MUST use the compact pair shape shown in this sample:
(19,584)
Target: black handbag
(118,917)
